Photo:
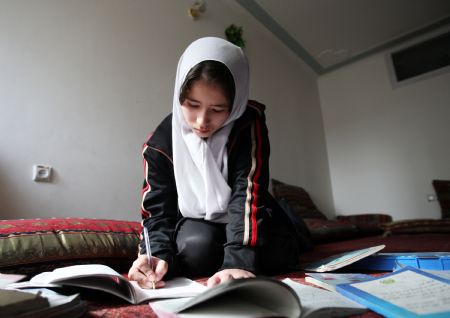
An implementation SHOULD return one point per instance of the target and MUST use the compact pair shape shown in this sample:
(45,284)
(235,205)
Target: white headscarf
(201,166)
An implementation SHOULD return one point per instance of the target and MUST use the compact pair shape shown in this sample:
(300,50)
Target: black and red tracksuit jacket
(248,176)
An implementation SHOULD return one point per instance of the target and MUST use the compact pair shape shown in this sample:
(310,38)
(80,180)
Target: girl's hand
(227,274)
(146,275)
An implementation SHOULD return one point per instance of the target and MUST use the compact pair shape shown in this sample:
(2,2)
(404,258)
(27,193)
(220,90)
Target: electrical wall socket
(42,173)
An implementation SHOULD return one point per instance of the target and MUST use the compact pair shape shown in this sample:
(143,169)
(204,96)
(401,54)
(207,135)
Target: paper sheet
(322,302)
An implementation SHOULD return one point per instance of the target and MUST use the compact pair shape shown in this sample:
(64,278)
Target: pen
(149,252)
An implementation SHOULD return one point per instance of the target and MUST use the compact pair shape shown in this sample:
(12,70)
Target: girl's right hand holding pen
(146,274)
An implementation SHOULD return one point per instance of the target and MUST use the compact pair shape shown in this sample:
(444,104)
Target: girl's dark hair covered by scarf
(213,72)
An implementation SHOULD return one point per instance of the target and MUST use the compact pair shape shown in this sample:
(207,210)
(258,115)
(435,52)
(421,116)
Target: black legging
(200,248)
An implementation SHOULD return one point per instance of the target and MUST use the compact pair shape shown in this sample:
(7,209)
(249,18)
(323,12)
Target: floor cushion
(31,246)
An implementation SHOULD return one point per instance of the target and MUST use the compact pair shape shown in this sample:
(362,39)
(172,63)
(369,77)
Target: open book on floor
(337,261)
(408,292)
(259,297)
(104,278)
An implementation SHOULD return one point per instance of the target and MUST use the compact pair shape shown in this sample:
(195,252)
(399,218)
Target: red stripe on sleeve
(256,184)
(144,213)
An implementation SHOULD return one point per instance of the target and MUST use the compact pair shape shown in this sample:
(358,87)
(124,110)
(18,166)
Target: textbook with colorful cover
(408,292)
(259,297)
(335,262)
(104,278)
(330,280)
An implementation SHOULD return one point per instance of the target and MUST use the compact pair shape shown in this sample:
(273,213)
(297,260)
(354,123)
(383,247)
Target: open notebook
(104,278)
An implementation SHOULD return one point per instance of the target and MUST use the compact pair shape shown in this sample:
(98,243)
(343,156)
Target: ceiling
(328,34)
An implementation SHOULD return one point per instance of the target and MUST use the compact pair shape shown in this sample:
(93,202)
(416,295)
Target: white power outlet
(431,197)
(42,173)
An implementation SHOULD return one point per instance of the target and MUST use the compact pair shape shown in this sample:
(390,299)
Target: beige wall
(83,82)
(385,144)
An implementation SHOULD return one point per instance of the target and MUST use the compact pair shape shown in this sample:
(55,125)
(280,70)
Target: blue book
(408,292)
(394,261)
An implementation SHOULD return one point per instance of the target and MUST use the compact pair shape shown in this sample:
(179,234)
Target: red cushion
(298,199)
(442,188)
(30,245)
(418,226)
(367,224)
(330,230)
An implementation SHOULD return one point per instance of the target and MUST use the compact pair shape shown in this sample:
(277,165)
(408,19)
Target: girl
(205,199)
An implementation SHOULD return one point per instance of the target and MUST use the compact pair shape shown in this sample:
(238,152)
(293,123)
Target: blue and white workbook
(408,292)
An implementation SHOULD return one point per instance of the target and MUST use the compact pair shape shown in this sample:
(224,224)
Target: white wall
(83,82)
(385,144)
